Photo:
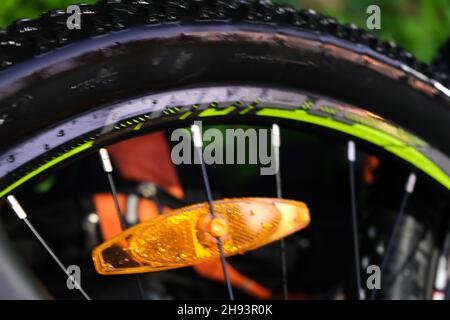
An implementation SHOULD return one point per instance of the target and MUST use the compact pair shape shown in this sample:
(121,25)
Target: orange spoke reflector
(188,235)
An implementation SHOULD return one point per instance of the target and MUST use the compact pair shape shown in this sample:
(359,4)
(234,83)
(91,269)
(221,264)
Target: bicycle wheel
(138,66)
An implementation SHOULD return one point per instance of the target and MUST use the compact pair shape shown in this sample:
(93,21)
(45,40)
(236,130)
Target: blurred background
(420,26)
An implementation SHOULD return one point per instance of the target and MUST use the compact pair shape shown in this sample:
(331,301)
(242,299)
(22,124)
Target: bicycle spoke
(351,157)
(409,189)
(276,144)
(108,168)
(20,212)
(198,146)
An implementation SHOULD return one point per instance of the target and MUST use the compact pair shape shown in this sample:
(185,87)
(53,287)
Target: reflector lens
(188,235)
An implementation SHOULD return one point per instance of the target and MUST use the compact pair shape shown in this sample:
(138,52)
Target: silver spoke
(20,212)
(351,157)
(409,189)
(108,168)
(198,146)
(276,144)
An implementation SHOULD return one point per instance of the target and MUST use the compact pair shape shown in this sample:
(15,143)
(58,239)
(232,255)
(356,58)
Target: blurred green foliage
(11,10)
(418,25)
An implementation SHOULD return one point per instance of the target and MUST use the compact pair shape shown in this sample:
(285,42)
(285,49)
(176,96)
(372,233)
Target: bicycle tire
(127,49)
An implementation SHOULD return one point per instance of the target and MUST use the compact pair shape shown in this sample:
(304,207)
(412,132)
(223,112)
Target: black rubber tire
(129,48)
(160,45)
(442,59)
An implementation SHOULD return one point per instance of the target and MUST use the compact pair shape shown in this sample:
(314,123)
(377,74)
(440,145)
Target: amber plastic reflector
(188,236)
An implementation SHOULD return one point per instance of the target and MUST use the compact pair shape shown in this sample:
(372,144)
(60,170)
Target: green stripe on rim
(46,166)
(376,137)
